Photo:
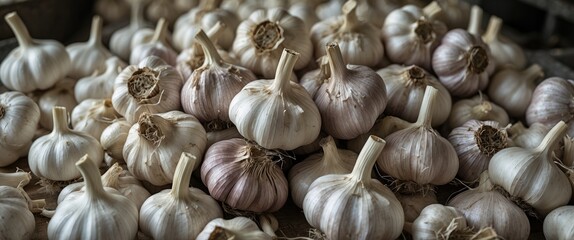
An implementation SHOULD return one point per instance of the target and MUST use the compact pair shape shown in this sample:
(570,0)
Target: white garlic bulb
(16,218)
(413,204)
(437,220)
(53,156)
(19,116)
(114,137)
(89,56)
(527,137)
(476,108)
(557,225)
(96,213)
(238,228)
(329,9)
(157,46)
(505,53)
(454,13)
(278,113)
(121,39)
(180,212)
(11,154)
(411,34)
(355,206)
(305,10)
(155,143)
(551,103)
(151,86)
(34,64)
(92,116)
(62,94)
(313,79)
(262,37)
(101,84)
(15,179)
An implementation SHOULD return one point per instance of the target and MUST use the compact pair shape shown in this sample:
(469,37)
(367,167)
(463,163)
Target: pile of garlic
(356,111)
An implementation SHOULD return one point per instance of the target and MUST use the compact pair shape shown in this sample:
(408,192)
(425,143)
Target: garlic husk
(531,175)
(15,179)
(112,10)
(19,117)
(157,46)
(437,220)
(16,218)
(278,113)
(262,37)
(220,135)
(512,89)
(358,40)
(413,204)
(476,108)
(34,64)
(454,13)
(557,225)
(484,207)
(101,84)
(92,116)
(354,205)
(62,94)
(210,88)
(331,161)
(505,53)
(121,39)
(96,213)
(159,9)
(238,228)
(551,101)
(411,34)
(88,57)
(180,212)
(352,90)
(53,156)
(155,143)
(245,176)
(475,143)
(151,86)
(114,137)
(418,153)
(405,87)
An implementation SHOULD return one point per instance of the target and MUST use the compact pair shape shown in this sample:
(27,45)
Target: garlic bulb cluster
(114,137)
(512,89)
(531,175)
(101,84)
(155,143)
(557,225)
(62,95)
(238,228)
(411,34)
(34,64)
(16,218)
(54,154)
(157,46)
(505,53)
(151,86)
(244,176)
(180,212)
(92,116)
(96,213)
(551,101)
(355,206)
(476,108)
(405,87)
(278,113)
(454,13)
(527,137)
(89,56)
(121,39)
(436,221)
(15,179)
(359,41)
(19,116)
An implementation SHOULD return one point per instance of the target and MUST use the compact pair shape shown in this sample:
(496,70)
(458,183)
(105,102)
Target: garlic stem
(426,112)
(282,80)
(60,119)
(159,33)
(350,21)
(330,152)
(19,29)
(475,20)
(182,175)
(481,110)
(533,73)
(484,183)
(111,176)
(215,31)
(15,179)
(209,50)
(432,9)
(269,224)
(95,31)
(367,158)
(551,139)
(336,62)
(48,213)
(37,205)
(136,18)
(92,178)
(493,29)
(568,158)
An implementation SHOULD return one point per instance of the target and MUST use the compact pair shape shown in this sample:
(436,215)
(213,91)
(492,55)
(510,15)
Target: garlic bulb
(262,37)
(15,179)
(34,64)
(238,228)
(454,13)
(484,207)
(159,9)
(60,95)
(329,9)
(53,156)
(220,135)
(89,56)
(475,142)
(112,10)
(101,84)
(313,79)
(96,213)
(11,154)
(16,218)
(157,46)
(477,108)
(359,41)
(551,103)
(19,116)
(405,87)
(505,53)
(512,89)
(92,116)
(155,143)
(557,225)
(355,206)
(121,39)
(531,175)
(151,86)
(527,137)
(210,88)
(305,10)
(114,137)
(418,153)
(184,5)
(411,34)
(244,176)
(439,222)
(413,204)
(331,161)
(278,113)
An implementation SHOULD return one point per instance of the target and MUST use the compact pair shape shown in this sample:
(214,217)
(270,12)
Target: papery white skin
(359,41)
(238,228)
(454,13)
(121,39)
(405,87)
(34,64)
(96,213)
(557,225)
(15,179)
(411,34)
(477,108)
(512,89)
(180,212)
(527,137)
(313,79)
(88,57)
(53,156)
(277,30)
(434,220)
(156,87)
(19,117)
(505,52)
(157,46)
(16,218)
(155,143)
(552,102)
(11,154)
(92,116)
(114,137)
(329,9)
(60,95)
(101,84)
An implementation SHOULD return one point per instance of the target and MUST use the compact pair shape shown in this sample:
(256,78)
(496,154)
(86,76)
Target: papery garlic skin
(551,103)
(15,179)
(19,117)
(12,154)
(476,108)
(305,10)
(238,228)
(557,225)
(100,85)
(157,46)
(527,137)
(90,56)
(513,89)
(505,53)
(16,219)
(62,94)
(114,137)
(120,40)
(92,116)
(434,221)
